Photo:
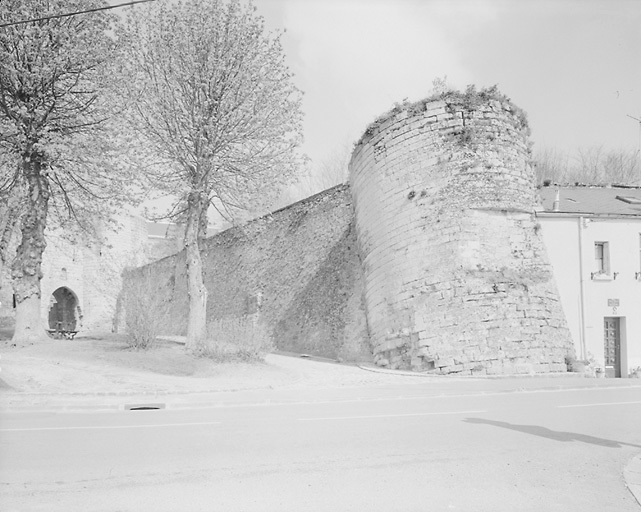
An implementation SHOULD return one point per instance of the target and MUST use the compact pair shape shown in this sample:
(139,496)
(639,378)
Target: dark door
(62,315)
(612,346)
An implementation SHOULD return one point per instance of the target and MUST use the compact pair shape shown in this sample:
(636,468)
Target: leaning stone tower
(456,275)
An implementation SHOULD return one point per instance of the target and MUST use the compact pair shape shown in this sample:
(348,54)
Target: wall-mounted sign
(613,303)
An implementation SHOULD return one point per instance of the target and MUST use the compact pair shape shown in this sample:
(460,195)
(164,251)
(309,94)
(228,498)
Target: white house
(593,240)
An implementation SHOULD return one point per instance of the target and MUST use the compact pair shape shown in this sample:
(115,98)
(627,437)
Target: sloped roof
(593,200)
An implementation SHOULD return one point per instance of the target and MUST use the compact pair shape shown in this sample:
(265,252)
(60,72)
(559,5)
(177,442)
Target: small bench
(60,334)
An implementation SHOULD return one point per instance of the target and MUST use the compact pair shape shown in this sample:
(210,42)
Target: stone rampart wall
(456,276)
(294,273)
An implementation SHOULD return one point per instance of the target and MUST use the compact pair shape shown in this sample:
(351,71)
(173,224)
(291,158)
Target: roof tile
(593,200)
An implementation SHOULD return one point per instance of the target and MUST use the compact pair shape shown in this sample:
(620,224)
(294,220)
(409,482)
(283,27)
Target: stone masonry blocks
(456,279)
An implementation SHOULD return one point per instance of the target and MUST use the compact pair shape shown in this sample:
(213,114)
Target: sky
(573,65)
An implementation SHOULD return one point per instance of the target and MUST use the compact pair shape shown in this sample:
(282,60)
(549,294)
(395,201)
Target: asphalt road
(399,449)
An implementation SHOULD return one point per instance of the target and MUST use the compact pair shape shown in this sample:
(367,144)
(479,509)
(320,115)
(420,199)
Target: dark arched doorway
(62,315)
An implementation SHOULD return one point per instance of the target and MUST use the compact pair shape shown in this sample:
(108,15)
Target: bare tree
(622,167)
(326,173)
(217,109)
(332,170)
(588,166)
(552,165)
(55,131)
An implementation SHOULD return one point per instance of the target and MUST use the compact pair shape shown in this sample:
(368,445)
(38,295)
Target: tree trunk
(26,269)
(197,319)
(9,217)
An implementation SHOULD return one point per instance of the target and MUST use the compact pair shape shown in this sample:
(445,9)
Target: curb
(121,401)
(632,477)
(452,376)
(405,373)
(215,398)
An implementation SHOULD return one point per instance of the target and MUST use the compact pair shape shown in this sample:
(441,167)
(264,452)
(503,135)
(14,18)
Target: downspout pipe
(582,342)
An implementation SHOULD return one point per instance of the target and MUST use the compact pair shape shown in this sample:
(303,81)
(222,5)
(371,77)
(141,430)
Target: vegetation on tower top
(469,100)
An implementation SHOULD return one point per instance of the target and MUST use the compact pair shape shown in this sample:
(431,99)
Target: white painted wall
(570,244)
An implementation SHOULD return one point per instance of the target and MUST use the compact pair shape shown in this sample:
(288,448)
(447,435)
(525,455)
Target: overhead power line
(64,15)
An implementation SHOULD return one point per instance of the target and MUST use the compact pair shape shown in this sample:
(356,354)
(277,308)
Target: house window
(601,257)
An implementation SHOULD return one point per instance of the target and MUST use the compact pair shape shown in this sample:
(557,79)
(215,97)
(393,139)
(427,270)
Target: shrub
(576,365)
(243,339)
(146,308)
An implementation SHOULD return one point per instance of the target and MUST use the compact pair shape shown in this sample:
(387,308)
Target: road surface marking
(482,394)
(108,427)
(388,415)
(597,405)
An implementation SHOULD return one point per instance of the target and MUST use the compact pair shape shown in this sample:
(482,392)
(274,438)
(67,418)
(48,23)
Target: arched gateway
(63,314)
